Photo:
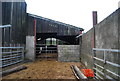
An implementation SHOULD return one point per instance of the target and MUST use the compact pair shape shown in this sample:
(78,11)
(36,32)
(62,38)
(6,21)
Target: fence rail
(45,49)
(11,55)
(101,69)
(5,26)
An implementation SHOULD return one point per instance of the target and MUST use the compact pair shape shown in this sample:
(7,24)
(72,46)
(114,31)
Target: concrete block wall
(68,53)
(106,32)
(86,48)
(107,36)
(119,39)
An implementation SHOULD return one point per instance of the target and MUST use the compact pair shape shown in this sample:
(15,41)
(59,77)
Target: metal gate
(106,65)
(46,51)
(11,56)
(41,48)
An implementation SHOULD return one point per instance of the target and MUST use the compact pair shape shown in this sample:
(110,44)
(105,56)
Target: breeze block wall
(107,36)
(68,53)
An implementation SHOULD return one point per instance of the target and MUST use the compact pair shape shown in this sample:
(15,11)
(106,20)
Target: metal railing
(46,49)
(11,56)
(100,64)
(5,26)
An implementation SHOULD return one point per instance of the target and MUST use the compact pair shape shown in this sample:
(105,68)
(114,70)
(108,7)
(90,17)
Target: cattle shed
(51,49)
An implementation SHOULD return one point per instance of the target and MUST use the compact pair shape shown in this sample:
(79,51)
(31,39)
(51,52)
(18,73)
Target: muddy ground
(45,69)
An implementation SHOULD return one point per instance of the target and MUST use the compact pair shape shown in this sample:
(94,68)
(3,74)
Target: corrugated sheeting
(45,25)
(14,13)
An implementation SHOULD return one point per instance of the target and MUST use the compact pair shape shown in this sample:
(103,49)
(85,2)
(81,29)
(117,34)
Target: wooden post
(14,70)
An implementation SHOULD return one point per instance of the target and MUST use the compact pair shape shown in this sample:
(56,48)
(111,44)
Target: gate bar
(5,26)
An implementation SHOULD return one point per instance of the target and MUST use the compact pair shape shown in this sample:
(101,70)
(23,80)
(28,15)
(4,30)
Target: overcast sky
(74,12)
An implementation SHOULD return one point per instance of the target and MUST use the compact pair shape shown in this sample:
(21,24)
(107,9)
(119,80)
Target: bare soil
(45,69)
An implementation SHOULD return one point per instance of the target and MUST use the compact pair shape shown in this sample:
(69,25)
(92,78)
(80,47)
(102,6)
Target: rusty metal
(94,18)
